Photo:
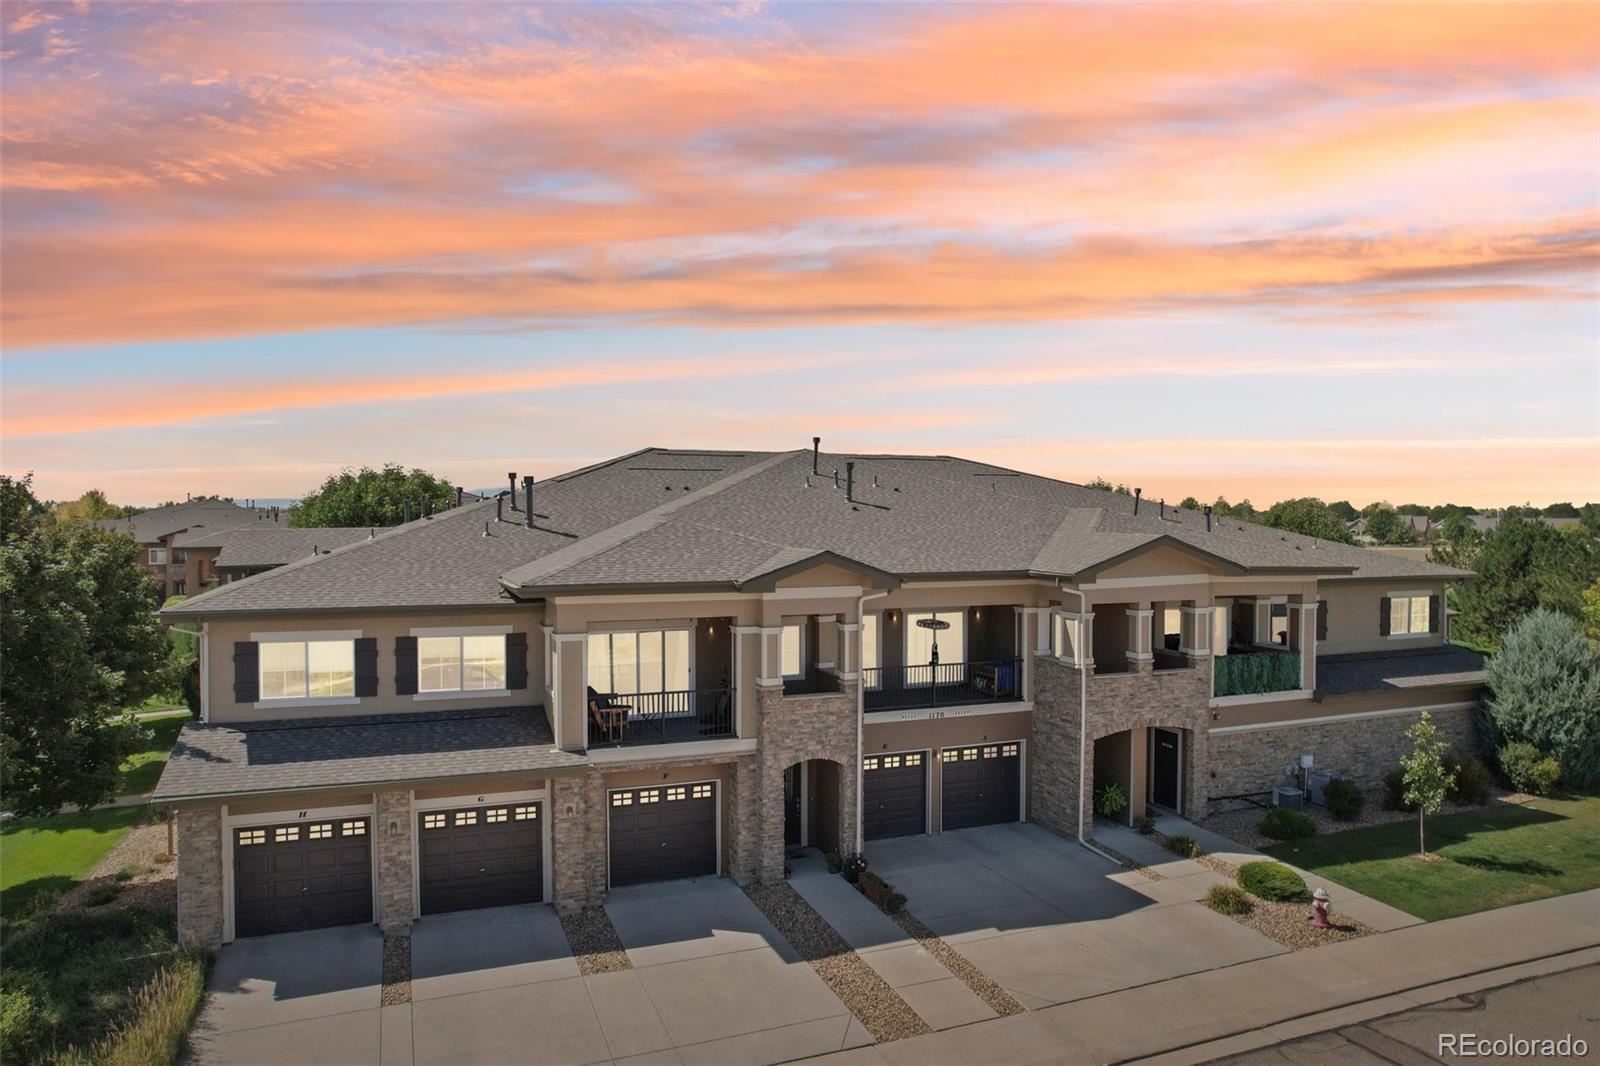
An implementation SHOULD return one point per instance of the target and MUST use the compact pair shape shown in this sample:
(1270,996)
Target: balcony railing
(1255,672)
(904,688)
(627,719)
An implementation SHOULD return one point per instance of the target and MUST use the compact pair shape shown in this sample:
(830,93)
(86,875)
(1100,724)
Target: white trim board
(459,631)
(655,753)
(300,636)
(1391,712)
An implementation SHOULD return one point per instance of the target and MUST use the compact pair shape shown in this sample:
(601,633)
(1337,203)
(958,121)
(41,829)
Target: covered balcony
(917,660)
(660,684)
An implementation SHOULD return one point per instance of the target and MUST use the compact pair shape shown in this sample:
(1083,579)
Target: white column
(1307,630)
(849,658)
(769,671)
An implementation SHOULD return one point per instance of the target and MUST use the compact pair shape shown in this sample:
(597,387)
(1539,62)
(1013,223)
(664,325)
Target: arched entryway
(1152,765)
(812,812)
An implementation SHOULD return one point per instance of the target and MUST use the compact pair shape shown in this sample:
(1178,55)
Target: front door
(792,799)
(1164,752)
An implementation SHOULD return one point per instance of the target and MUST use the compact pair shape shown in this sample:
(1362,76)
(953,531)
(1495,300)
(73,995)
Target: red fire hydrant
(1319,909)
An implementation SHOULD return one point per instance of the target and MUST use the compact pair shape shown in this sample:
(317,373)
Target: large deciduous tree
(81,642)
(1521,565)
(1309,516)
(368,497)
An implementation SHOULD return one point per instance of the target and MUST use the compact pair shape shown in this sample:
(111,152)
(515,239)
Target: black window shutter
(1433,614)
(516,660)
(366,666)
(246,671)
(1383,617)
(1322,619)
(405,665)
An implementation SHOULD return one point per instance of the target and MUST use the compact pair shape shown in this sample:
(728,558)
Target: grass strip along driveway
(1494,857)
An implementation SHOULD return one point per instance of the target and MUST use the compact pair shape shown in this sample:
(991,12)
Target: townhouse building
(688,663)
(159,530)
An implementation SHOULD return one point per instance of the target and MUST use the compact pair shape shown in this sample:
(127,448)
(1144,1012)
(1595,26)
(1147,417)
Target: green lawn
(1496,856)
(52,854)
(142,769)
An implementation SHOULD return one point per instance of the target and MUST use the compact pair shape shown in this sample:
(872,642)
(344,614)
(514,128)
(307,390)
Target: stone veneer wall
(199,843)
(393,826)
(795,729)
(744,801)
(578,839)
(1365,749)
(1144,697)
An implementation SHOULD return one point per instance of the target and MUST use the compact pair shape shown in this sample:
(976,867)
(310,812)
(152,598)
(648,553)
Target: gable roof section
(147,527)
(791,561)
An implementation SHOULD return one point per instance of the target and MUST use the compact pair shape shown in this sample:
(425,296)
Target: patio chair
(610,718)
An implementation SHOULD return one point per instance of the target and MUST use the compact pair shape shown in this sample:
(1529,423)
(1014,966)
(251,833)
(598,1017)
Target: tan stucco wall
(1158,562)
(472,787)
(824,574)
(225,632)
(1353,616)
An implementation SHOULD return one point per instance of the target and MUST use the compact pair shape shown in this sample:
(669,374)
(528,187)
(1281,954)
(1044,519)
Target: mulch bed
(594,942)
(864,993)
(983,986)
(396,970)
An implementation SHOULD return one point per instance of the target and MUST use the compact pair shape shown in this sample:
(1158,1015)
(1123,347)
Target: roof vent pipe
(816,449)
(459,493)
(1136,494)
(499,506)
(850,481)
(512,478)
(527,498)
(486,529)
(1208,518)
(1163,512)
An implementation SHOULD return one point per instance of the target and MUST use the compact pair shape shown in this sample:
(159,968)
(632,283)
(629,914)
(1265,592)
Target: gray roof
(150,526)
(272,544)
(694,519)
(1339,675)
(273,756)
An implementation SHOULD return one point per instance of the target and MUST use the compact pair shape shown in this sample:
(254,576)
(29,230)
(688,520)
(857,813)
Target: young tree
(369,497)
(1544,688)
(1426,779)
(82,641)
(90,507)
(1308,516)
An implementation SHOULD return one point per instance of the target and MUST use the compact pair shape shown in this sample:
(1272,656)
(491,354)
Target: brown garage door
(895,795)
(302,875)
(663,833)
(490,856)
(981,785)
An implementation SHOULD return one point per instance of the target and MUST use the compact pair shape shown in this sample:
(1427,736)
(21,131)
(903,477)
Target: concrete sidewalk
(1273,995)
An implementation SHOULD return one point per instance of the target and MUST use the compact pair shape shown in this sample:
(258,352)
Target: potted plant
(835,864)
(874,888)
(1111,801)
(854,866)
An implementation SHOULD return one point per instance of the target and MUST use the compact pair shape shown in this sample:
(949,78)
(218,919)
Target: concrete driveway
(711,982)
(1053,922)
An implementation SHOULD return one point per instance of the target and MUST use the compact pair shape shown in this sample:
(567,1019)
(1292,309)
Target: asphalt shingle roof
(150,526)
(270,545)
(272,756)
(660,516)
(1339,675)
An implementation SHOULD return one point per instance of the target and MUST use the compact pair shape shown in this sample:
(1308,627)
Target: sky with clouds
(1350,250)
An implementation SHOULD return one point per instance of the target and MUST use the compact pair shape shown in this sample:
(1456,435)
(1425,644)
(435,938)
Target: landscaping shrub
(1182,845)
(1344,799)
(1111,800)
(101,894)
(894,902)
(71,977)
(1543,687)
(1272,880)
(1394,792)
(1283,824)
(1527,769)
(1229,899)
(159,1016)
(1473,780)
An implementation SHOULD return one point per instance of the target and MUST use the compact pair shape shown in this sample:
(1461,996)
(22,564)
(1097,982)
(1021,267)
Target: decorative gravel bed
(143,851)
(1240,824)
(594,941)
(982,985)
(868,996)
(396,970)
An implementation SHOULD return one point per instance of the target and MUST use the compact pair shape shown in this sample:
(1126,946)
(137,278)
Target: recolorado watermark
(1473,1046)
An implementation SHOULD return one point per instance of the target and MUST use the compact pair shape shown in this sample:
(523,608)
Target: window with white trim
(648,660)
(158,557)
(793,643)
(307,669)
(466,663)
(952,641)
(1408,615)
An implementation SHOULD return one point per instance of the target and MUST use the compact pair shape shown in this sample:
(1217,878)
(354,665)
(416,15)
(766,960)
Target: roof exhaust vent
(486,529)
(1163,512)
(512,478)
(850,481)
(1136,494)
(499,507)
(835,477)
(460,492)
(527,494)
(1208,518)
(816,448)
(372,534)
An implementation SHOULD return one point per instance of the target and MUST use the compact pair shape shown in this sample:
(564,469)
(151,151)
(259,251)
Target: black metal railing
(902,688)
(631,718)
